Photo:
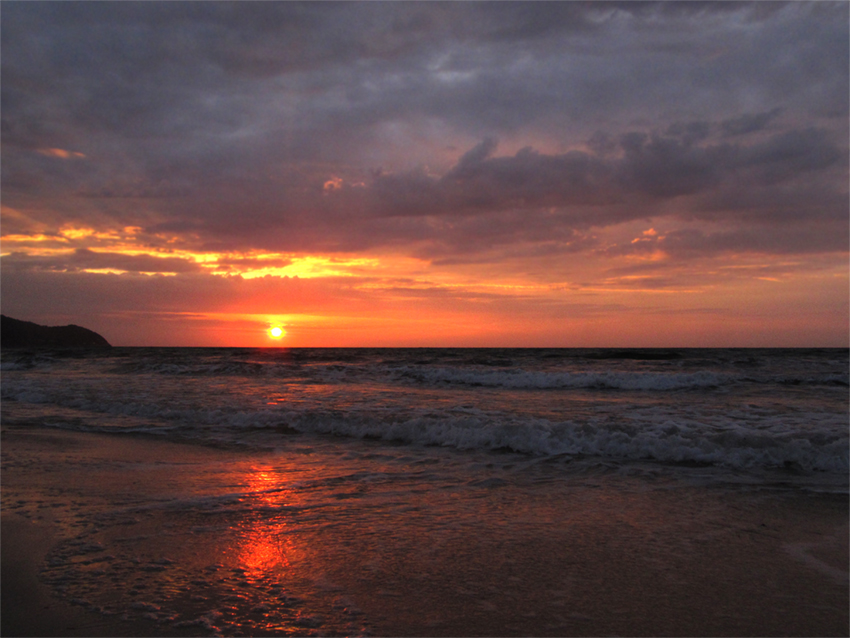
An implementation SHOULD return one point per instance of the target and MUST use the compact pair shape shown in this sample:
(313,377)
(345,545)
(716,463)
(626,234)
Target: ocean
(307,439)
(735,410)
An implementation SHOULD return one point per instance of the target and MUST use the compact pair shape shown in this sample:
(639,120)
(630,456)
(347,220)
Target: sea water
(332,467)
(735,409)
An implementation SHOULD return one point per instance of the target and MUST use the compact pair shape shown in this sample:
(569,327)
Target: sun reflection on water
(265,540)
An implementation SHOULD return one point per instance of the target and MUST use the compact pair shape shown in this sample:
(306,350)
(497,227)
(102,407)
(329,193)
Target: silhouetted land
(15,333)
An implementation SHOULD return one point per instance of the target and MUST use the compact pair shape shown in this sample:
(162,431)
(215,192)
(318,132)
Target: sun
(276,332)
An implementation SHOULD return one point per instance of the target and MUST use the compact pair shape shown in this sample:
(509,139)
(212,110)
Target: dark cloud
(748,122)
(221,123)
(148,70)
(792,153)
(694,243)
(642,169)
(85,259)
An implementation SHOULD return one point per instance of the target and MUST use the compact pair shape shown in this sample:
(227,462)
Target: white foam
(731,444)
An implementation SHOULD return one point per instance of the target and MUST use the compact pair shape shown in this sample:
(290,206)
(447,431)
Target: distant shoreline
(15,333)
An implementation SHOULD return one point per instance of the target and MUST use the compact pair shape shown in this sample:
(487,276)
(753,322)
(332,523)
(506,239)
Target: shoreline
(29,608)
(609,556)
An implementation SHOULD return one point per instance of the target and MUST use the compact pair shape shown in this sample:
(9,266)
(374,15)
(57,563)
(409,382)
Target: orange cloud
(60,153)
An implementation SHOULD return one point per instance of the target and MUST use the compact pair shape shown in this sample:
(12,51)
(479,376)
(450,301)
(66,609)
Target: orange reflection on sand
(261,551)
(266,544)
(265,486)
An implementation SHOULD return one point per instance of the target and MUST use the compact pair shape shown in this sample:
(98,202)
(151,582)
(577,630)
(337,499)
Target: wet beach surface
(144,537)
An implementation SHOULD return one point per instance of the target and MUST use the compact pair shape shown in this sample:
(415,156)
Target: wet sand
(127,536)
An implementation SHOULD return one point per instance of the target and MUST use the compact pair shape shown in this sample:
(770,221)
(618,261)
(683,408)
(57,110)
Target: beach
(127,535)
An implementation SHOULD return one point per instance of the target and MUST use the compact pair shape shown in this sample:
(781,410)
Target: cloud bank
(521,143)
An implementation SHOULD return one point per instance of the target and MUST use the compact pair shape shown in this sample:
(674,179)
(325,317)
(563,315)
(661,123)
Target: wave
(478,375)
(778,441)
(672,441)
(519,379)
(726,415)
(533,370)
(516,379)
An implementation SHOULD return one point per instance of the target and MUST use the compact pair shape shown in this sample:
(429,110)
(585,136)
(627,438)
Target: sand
(93,545)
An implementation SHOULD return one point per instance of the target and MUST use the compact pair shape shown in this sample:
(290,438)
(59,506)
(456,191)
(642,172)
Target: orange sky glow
(395,300)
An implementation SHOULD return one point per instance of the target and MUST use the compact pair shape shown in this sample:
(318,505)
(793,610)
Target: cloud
(538,137)
(790,177)
(689,243)
(643,171)
(748,122)
(85,259)
(251,71)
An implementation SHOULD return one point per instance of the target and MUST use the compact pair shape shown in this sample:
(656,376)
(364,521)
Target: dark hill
(25,334)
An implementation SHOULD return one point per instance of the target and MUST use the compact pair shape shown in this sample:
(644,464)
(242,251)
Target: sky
(558,174)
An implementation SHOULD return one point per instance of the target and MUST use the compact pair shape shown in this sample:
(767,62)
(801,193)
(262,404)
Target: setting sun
(276,332)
